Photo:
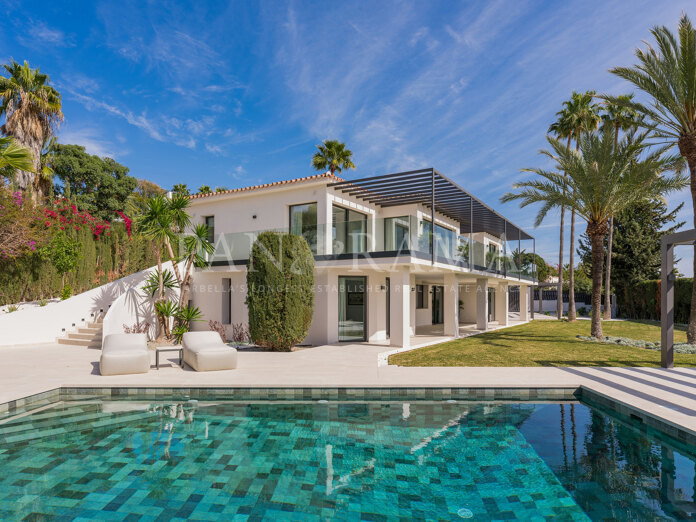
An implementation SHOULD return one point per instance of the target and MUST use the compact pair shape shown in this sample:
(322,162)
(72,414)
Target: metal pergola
(430,188)
(687,237)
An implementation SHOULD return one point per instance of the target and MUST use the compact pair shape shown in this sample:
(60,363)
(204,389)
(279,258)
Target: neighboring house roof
(326,175)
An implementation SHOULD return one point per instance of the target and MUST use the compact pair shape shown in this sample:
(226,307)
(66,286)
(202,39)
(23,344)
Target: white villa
(387,266)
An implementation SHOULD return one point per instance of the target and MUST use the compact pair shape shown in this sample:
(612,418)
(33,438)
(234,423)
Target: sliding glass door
(352,313)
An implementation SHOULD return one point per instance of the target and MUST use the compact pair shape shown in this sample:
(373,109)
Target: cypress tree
(280,299)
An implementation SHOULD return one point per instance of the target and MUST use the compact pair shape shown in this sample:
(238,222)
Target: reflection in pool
(291,460)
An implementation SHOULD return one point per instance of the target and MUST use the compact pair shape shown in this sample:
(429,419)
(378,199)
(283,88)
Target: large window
(396,233)
(349,230)
(226,301)
(445,240)
(303,222)
(210,223)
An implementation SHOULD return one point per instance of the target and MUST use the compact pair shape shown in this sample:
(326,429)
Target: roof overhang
(428,186)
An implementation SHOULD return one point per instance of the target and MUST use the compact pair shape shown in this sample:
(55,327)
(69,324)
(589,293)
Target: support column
(524,303)
(451,305)
(482,303)
(502,303)
(400,308)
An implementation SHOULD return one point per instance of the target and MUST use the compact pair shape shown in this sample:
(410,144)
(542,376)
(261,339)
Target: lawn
(547,343)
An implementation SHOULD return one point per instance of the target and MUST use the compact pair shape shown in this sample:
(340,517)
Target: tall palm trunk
(26,180)
(610,244)
(571,257)
(687,148)
(596,232)
(607,284)
(571,272)
(559,298)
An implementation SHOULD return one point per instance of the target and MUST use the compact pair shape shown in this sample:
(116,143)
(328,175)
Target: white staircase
(89,335)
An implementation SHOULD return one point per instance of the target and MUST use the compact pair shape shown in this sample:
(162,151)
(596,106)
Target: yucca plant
(152,282)
(165,311)
(185,316)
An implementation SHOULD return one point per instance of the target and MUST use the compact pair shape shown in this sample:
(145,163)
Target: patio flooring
(668,394)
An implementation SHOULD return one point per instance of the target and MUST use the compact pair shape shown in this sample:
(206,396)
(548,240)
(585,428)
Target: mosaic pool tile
(202,460)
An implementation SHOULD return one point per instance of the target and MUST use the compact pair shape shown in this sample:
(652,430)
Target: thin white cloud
(40,33)
(92,140)
(214,149)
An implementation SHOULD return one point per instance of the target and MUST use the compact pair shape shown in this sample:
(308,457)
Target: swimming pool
(295,460)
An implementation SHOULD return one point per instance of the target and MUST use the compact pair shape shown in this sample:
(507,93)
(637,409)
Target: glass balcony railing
(404,235)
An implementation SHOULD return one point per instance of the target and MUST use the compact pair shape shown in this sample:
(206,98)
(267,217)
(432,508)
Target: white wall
(45,324)
(467,295)
(424,316)
(136,306)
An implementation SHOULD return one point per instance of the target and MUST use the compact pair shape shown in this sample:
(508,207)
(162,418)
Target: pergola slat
(425,186)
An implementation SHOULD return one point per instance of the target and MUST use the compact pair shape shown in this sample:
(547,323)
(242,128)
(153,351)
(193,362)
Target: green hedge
(642,301)
(103,260)
(280,281)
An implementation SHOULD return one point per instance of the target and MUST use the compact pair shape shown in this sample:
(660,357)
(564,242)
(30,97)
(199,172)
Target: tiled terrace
(667,394)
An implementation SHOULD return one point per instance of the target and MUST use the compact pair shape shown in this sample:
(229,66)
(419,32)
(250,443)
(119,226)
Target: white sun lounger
(205,351)
(123,354)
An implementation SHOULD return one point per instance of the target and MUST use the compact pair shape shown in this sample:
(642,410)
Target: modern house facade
(396,255)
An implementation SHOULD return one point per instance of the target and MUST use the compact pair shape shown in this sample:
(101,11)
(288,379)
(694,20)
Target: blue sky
(232,94)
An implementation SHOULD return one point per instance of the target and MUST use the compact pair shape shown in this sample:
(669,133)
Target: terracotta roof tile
(325,175)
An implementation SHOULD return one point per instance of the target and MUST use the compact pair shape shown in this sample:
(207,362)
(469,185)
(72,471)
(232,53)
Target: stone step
(90,330)
(86,335)
(79,342)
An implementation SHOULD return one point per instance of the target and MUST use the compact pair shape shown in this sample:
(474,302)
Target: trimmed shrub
(642,300)
(280,299)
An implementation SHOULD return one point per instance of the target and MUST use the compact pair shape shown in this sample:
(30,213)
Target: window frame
(346,231)
(421,300)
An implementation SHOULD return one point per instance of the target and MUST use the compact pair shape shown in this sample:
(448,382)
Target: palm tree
(667,74)
(563,128)
(156,223)
(601,180)
(204,189)
(584,118)
(332,155)
(620,117)
(13,157)
(181,188)
(32,110)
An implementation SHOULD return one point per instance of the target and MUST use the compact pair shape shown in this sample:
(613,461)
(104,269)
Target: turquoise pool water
(355,461)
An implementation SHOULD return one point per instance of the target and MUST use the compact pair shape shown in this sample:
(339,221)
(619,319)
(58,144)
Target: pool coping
(26,405)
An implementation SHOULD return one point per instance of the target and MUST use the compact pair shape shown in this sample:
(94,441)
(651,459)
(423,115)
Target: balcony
(394,237)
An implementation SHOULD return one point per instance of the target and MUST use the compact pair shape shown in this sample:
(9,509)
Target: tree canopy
(100,186)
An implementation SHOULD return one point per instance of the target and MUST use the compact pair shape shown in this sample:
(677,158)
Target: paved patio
(669,394)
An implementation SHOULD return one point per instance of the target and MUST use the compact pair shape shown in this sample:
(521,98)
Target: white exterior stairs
(89,335)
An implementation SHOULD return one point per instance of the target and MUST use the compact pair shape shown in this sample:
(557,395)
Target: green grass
(547,343)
